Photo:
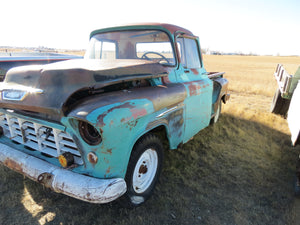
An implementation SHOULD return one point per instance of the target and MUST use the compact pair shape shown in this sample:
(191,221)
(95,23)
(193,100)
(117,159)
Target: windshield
(151,45)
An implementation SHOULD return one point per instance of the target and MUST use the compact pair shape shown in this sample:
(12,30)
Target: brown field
(26,50)
(239,171)
(252,85)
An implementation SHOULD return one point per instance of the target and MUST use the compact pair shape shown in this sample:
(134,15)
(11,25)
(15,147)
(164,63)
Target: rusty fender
(60,180)
(222,93)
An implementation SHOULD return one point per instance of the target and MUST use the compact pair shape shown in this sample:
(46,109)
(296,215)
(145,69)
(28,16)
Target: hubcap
(144,171)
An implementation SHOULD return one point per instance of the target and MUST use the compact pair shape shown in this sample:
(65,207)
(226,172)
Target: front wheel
(143,170)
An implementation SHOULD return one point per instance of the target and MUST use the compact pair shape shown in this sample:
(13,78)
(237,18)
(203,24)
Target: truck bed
(215,74)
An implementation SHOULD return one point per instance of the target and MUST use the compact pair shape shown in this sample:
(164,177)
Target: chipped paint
(196,86)
(100,119)
(92,157)
(13,165)
(108,170)
(195,71)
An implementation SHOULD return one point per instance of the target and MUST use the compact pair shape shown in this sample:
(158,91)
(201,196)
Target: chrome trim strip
(168,111)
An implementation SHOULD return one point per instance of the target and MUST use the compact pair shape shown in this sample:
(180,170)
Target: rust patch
(125,120)
(106,160)
(100,118)
(143,169)
(46,179)
(13,165)
(193,89)
(108,170)
(108,151)
(92,158)
(195,71)
(132,124)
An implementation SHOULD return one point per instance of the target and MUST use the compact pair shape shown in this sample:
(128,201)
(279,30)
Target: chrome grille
(48,140)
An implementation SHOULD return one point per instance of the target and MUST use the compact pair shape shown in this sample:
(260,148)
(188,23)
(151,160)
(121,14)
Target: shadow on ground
(235,172)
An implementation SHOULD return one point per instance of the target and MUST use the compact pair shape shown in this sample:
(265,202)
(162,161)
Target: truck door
(199,87)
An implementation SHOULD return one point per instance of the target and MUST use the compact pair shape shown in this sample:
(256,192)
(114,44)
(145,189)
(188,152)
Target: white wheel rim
(145,171)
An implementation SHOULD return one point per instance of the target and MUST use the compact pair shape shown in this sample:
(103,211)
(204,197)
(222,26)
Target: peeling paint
(13,165)
(100,119)
(107,151)
(108,170)
(195,71)
(92,157)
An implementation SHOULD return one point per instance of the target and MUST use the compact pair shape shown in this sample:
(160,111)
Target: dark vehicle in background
(9,60)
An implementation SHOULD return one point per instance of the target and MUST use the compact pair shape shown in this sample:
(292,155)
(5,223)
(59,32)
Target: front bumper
(60,180)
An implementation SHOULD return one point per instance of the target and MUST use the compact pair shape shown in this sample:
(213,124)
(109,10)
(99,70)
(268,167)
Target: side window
(180,45)
(108,50)
(189,54)
(192,53)
(105,50)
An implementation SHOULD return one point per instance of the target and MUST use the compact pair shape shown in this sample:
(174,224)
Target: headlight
(89,133)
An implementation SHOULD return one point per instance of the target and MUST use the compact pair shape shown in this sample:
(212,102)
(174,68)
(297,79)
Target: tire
(143,171)
(280,105)
(217,114)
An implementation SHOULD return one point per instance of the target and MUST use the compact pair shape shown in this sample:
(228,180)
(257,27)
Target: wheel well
(223,98)
(161,133)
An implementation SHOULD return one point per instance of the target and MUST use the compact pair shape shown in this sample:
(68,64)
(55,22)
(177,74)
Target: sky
(264,27)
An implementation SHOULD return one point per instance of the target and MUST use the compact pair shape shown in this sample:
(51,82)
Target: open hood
(45,88)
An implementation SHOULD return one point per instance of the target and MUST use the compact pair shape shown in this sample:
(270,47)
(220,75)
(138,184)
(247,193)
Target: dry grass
(239,171)
(250,74)
(252,85)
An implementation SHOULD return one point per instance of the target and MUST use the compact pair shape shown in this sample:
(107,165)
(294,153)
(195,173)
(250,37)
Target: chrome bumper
(60,180)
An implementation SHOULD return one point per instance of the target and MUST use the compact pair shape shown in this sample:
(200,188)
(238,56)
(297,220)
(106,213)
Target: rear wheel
(280,105)
(143,170)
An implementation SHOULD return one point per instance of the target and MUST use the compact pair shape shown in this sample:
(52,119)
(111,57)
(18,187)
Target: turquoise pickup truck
(93,128)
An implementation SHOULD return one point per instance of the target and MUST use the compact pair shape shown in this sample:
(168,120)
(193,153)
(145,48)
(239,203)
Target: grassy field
(239,171)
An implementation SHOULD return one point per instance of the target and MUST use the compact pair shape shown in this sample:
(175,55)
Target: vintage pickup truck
(93,128)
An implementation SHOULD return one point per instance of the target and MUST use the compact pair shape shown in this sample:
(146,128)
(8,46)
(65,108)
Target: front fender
(122,118)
